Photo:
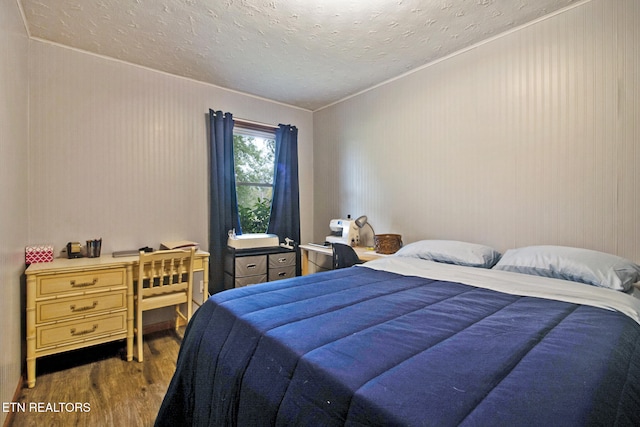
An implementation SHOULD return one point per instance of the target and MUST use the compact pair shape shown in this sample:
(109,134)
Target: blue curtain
(223,201)
(285,206)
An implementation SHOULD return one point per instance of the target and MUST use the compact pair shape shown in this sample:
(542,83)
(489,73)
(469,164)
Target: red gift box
(38,253)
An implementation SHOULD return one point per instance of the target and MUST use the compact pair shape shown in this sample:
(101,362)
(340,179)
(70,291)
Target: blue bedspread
(364,347)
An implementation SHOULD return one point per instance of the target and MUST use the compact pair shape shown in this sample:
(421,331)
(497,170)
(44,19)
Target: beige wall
(93,147)
(13,188)
(120,152)
(531,138)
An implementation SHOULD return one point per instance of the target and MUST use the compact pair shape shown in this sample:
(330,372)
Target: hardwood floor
(98,387)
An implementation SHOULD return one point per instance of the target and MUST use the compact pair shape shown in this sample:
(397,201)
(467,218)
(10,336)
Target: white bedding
(514,283)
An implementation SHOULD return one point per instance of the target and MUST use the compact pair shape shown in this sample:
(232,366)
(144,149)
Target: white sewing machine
(344,231)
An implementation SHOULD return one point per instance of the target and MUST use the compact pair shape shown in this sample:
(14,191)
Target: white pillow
(451,252)
(574,264)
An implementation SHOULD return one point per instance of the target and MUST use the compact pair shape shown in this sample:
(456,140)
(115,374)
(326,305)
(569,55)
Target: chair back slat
(165,271)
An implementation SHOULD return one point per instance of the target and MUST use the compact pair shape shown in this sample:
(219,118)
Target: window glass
(254,156)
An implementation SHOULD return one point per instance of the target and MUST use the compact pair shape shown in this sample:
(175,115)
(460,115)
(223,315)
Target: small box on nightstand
(38,253)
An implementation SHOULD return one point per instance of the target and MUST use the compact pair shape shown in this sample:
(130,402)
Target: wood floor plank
(98,387)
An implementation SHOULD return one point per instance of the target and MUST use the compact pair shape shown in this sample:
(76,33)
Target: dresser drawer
(59,309)
(282,260)
(52,285)
(249,280)
(251,265)
(282,273)
(59,334)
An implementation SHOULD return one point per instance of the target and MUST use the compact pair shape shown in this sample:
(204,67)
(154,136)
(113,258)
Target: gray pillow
(574,264)
(451,252)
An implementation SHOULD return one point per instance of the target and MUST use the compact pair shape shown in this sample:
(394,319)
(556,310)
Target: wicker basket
(387,243)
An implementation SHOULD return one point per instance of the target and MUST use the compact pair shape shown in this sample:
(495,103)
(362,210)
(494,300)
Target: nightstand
(252,266)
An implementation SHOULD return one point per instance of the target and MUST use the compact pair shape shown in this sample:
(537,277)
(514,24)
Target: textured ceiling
(299,52)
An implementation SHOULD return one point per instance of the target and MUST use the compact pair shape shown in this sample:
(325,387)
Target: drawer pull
(251,266)
(83,284)
(75,333)
(282,274)
(281,260)
(75,309)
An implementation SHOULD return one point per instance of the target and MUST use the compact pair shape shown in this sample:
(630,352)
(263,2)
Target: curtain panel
(223,202)
(285,206)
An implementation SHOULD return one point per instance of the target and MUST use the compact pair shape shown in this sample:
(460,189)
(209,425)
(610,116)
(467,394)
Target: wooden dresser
(75,303)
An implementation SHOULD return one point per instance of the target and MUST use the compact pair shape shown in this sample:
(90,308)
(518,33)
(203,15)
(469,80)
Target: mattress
(409,342)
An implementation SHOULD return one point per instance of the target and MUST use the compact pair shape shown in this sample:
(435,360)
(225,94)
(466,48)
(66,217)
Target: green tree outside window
(254,162)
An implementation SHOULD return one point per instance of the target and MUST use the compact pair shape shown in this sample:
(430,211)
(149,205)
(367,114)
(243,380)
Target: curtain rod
(252,123)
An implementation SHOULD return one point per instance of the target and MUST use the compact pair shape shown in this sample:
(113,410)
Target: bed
(464,337)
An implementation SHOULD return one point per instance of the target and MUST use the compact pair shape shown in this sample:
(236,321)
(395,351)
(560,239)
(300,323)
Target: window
(254,157)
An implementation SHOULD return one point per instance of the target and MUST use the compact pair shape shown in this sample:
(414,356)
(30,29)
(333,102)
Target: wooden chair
(165,278)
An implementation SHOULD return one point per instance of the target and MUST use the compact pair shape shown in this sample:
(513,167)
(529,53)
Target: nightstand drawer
(54,285)
(251,265)
(59,334)
(282,273)
(60,309)
(250,280)
(282,260)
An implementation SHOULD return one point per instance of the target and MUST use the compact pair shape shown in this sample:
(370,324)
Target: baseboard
(7,421)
